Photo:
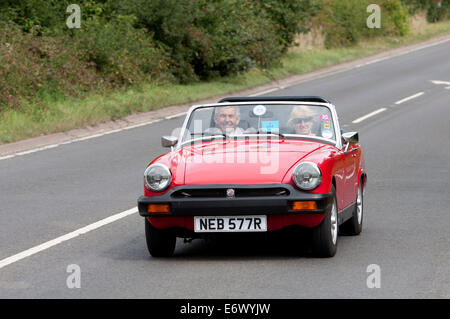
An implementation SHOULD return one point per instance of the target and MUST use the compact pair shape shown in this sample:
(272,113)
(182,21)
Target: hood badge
(230,192)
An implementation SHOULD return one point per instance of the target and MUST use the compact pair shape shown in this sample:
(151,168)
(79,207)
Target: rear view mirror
(169,141)
(349,138)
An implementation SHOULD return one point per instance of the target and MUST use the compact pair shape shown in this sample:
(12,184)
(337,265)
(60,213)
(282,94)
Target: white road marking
(374,61)
(29,252)
(37,149)
(175,115)
(6,157)
(441,82)
(267,91)
(34,150)
(403,53)
(362,118)
(409,98)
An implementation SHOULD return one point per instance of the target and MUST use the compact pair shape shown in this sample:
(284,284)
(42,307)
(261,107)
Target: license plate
(214,224)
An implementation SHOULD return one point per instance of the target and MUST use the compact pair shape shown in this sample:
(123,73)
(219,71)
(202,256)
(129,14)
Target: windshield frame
(337,131)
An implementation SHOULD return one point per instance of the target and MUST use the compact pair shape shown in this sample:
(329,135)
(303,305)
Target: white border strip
(362,118)
(267,91)
(84,138)
(29,252)
(409,98)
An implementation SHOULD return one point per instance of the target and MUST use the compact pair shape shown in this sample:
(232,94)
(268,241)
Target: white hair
(238,113)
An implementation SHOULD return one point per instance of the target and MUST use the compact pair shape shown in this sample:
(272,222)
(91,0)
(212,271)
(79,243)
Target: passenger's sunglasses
(298,120)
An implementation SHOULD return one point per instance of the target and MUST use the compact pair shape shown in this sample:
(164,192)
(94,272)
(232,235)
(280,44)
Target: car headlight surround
(157,177)
(307,175)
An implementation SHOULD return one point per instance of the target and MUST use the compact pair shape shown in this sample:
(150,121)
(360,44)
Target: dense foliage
(345,21)
(434,12)
(128,42)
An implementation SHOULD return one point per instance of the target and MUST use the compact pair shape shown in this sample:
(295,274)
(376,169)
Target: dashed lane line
(365,117)
(406,99)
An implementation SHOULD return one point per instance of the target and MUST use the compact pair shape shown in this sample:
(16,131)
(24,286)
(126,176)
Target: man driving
(227,118)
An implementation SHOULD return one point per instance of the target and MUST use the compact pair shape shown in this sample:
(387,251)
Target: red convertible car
(256,164)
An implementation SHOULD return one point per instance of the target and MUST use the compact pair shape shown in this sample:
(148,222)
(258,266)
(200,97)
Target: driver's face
(227,119)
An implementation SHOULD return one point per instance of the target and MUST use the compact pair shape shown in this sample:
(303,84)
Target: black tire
(160,242)
(353,226)
(324,244)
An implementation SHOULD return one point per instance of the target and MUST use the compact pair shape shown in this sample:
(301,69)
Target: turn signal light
(305,205)
(158,208)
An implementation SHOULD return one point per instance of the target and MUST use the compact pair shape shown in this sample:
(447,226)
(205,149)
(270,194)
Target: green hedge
(209,38)
(222,37)
(434,13)
(345,21)
(129,42)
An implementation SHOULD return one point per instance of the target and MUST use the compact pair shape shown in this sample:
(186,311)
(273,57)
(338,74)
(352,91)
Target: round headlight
(307,175)
(157,177)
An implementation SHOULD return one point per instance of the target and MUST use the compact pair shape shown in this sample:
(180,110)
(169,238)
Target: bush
(209,38)
(30,13)
(414,6)
(123,55)
(398,18)
(31,66)
(435,14)
(289,17)
(345,21)
(128,42)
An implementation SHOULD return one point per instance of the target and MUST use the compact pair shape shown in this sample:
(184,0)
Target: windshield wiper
(225,135)
(272,133)
(211,136)
(215,134)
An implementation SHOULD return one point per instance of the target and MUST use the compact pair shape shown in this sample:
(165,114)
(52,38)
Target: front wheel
(326,234)
(160,242)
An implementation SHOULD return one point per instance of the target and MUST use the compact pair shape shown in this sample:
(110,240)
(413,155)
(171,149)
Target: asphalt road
(51,193)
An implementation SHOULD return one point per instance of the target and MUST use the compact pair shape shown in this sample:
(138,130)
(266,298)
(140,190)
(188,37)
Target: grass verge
(59,114)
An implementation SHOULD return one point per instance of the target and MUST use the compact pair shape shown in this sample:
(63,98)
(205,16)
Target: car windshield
(254,120)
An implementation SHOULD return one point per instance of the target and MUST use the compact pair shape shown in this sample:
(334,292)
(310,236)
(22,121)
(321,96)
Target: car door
(351,174)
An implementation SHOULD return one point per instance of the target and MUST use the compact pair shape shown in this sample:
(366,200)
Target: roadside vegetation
(140,55)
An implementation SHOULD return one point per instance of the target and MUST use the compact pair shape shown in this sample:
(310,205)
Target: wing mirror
(349,138)
(169,141)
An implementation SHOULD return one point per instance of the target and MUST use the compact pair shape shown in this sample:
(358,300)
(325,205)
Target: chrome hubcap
(334,224)
(359,206)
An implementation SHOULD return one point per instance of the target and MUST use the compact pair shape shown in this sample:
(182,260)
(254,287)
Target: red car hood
(243,162)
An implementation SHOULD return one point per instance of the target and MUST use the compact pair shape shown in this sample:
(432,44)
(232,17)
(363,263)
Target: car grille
(238,192)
